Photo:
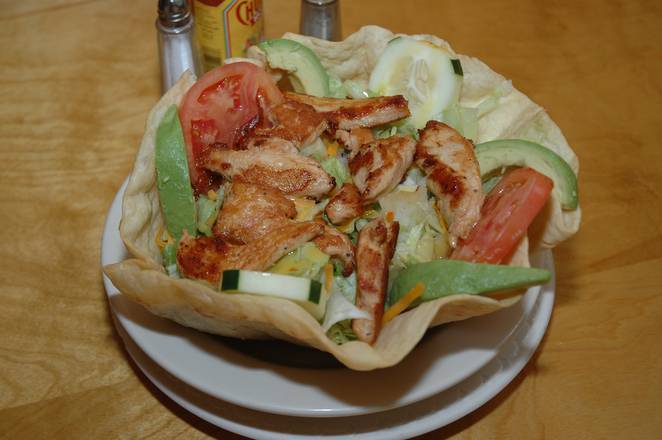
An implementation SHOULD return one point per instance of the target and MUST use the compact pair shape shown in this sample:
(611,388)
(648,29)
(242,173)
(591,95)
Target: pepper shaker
(321,19)
(178,49)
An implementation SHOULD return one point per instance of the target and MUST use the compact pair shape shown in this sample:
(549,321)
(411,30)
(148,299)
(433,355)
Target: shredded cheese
(211,195)
(390,216)
(440,217)
(332,149)
(328,277)
(403,303)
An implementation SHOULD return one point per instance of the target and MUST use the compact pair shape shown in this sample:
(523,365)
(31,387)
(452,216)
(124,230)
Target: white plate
(221,368)
(405,422)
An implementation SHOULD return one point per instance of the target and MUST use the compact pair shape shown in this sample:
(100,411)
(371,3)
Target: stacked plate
(274,390)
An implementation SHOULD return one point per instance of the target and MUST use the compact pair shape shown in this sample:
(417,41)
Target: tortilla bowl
(199,305)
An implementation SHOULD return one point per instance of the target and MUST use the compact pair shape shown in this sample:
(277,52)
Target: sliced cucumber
(426,74)
(503,153)
(308,293)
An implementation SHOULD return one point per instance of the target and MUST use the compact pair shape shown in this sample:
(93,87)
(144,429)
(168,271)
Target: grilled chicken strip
(345,205)
(205,258)
(380,166)
(275,163)
(345,114)
(375,249)
(296,122)
(337,245)
(353,139)
(251,211)
(453,173)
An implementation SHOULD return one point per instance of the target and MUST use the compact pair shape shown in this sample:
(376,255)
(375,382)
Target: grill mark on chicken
(337,245)
(345,114)
(353,139)
(296,122)
(275,163)
(205,258)
(378,167)
(453,173)
(375,249)
(345,205)
(251,211)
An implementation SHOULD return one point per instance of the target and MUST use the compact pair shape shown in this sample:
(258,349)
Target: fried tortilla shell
(199,305)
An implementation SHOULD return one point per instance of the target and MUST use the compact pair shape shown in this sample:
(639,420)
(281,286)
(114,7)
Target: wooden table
(77,81)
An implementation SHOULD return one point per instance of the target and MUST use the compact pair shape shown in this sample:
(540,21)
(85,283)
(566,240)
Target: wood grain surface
(77,80)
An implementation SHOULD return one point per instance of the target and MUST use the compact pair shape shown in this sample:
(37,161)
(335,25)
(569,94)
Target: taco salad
(343,195)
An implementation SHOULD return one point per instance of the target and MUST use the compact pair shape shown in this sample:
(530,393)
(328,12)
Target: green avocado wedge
(172,176)
(304,69)
(453,277)
(496,154)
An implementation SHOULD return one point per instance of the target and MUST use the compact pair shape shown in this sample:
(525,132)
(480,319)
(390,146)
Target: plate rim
(474,392)
(347,410)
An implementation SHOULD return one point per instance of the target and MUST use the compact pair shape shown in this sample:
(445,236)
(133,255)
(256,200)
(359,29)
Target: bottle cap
(321,19)
(174,13)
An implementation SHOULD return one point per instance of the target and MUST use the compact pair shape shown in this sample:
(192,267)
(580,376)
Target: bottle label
(227,30)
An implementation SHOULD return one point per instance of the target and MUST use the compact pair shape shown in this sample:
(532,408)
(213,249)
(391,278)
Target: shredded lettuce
(385,131)
(316,150)
(422,237)
(346,286)
(208,211)
(338,169)
(340,306)
(356,90)
(336,88)
(341,332)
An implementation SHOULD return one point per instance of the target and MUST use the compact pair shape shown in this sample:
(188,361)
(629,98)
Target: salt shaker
(321,19)
(178,49)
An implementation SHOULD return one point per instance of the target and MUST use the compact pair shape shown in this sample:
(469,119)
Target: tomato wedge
(219,109)
(506,214)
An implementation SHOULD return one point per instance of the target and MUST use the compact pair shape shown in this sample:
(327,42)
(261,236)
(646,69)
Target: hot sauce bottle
(226,28)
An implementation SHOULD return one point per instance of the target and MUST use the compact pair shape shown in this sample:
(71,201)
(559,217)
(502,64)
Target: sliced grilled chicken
(337,245)
(453,173)
(251,211)
(380,166)
(374,251)
(296,122)
(272,162)
(345,114)
(345,205)
(205,258)
(353,139)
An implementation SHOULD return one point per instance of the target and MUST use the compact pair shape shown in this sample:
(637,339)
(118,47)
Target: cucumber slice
(493,155)
(308,293)
(427,75)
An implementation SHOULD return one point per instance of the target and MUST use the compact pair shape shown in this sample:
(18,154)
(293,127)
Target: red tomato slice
(506,214)
(219,109)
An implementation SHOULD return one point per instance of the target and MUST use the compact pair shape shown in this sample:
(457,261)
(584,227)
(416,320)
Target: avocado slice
(493,155)
(453,277)
(172,176)
(305,70)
